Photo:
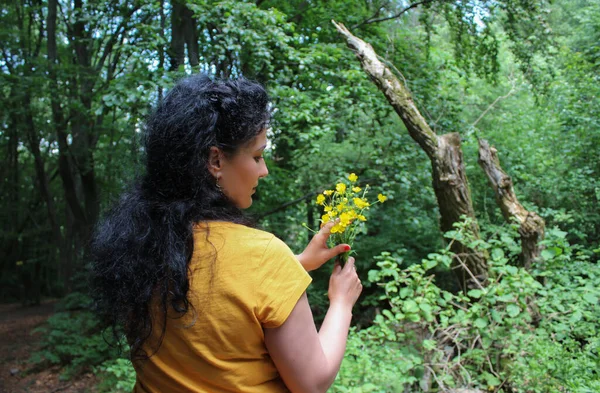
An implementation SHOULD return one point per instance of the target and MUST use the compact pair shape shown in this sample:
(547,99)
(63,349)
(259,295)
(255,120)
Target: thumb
(349,264)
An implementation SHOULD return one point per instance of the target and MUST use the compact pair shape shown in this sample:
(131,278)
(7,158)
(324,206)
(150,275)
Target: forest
(479,120)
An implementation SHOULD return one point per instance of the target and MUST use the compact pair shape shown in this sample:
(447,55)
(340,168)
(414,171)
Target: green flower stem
(343,258)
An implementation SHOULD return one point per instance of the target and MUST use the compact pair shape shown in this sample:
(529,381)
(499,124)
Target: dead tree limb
(448,169)
(531,224)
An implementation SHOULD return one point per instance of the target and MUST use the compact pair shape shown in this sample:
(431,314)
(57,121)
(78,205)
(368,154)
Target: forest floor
(18,342)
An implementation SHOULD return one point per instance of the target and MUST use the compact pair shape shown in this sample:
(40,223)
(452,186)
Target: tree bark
(531,224)
(161,49)
(184,33)
(177,47)
(448,170)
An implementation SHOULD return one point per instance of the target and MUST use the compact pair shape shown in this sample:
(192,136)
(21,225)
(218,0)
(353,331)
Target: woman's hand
(344,285)
(317,252)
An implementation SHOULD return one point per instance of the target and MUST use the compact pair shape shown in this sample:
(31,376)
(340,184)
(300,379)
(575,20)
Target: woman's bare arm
(307,360)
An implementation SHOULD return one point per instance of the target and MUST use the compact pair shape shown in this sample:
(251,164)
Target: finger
(337,250)
(349,264)
(336,268)
(326,229)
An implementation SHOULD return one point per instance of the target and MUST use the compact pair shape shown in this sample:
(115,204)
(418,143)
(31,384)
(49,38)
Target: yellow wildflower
(362,218)
(352,214)
(341,207)
(327,208)
(320,199)
(382,198)
(338,228)
(353,177)
(340,188)
(325,218)
(360,203)
(345,219)
(356,189)
(328,192)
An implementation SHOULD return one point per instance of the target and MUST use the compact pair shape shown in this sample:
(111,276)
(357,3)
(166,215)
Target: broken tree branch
(444,151)
(531,224)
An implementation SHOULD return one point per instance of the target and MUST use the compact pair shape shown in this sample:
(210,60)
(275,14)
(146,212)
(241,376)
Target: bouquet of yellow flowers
(347,206)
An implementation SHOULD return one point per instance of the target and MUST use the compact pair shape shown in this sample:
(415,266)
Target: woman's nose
(264,171)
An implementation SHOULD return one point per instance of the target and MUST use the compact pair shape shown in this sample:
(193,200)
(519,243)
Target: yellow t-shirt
(241,280)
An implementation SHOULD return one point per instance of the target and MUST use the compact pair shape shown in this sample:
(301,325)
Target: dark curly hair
(142,247)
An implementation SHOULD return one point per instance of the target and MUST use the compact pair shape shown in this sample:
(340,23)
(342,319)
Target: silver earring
(218,185)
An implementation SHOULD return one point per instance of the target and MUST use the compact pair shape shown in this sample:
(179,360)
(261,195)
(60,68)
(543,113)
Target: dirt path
(16,345)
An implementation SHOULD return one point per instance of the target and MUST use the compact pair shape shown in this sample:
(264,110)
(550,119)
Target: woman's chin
(245,205)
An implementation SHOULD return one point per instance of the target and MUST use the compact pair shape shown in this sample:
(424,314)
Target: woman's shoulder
(241,234)
(235,240)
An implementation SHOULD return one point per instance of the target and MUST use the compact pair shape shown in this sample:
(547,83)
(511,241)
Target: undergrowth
(529,332)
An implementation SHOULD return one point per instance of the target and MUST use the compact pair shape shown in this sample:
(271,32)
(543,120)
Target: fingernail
(346,248)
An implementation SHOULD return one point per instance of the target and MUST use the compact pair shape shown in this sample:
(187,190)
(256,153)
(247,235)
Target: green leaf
(548,254)
(480,323)
(404,292)
(496,316)
(475,293)
(497,254)
(506,298)
(429,264)
(410,306)
(590,298)
(413,317)
(428,345)
(513,310)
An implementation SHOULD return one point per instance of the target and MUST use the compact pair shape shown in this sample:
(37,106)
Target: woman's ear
(215,161)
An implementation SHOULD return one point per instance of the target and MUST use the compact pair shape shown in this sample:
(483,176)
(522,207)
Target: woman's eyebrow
(263,147)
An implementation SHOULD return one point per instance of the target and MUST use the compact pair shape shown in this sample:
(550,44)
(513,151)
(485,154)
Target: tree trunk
(532,225)
(161,49)
(191,37)
(448,171)
(177,48)
(183,33)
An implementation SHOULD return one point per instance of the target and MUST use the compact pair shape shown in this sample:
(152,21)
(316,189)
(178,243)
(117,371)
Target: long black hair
(142,247)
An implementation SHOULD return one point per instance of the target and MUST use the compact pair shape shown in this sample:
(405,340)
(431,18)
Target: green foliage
(117,375)
(72,338)
(514,334)
(522,74)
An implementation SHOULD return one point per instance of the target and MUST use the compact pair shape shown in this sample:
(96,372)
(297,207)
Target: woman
(208,303)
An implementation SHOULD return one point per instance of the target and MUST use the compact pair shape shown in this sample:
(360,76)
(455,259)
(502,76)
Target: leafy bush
(118,375)
(73,338)
(513,335)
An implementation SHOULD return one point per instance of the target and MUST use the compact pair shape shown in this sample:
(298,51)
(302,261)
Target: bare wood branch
(287,204)
(474,279)
(395,16)
(375,15)
(445,153)
(395,92)
(114,37)
(510,92)
(532,226)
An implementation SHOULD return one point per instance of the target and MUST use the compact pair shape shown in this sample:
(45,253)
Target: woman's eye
(257,159)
